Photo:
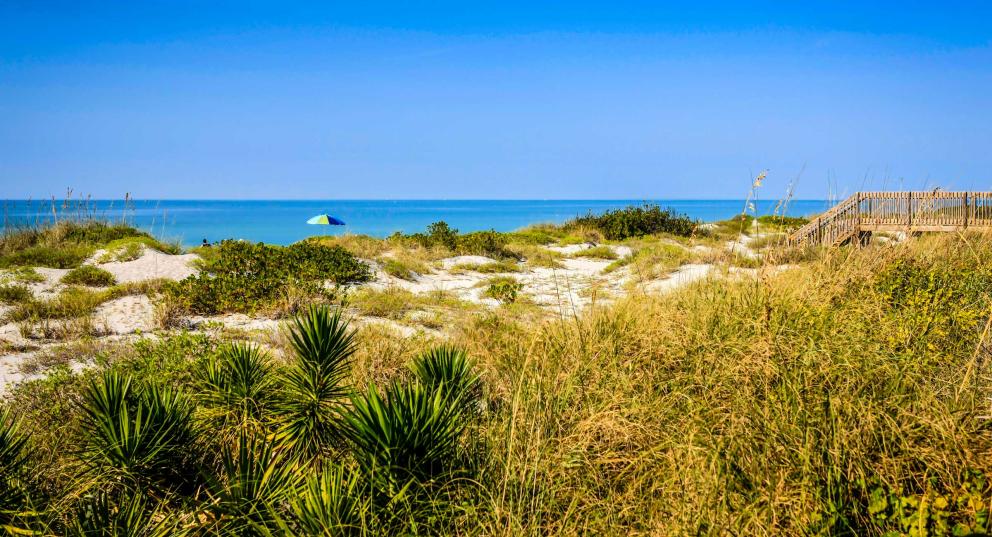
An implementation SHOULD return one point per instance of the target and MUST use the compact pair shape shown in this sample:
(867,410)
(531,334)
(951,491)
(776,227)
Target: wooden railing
(866,212)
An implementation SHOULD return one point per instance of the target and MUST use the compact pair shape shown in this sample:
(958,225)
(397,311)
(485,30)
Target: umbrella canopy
(326,220)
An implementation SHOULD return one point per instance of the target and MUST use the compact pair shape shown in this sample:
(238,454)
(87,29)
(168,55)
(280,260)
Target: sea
(284,221)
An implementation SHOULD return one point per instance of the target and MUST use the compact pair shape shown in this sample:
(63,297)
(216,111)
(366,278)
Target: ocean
(284,222)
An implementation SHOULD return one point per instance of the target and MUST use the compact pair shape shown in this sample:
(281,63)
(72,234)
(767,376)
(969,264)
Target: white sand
(152,265)
(450,262)
(684,275)
(126,315)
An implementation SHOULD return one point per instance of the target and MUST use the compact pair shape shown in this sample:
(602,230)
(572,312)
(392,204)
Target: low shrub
(397,268)
(598,252)
(503,288)
(13,294)
(782,221)
(245,277)
(486,243)
(89,275)
(440,235)
(634,221)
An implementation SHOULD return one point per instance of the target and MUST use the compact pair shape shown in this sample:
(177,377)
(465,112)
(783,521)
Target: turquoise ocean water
(284,222)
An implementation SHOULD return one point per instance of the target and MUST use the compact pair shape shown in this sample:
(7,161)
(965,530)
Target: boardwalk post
(965,210)
(909,211)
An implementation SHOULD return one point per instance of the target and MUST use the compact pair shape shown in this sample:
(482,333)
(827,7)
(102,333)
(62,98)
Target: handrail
(935,210)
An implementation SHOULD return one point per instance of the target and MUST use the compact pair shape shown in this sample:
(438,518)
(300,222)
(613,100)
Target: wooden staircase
(866,212)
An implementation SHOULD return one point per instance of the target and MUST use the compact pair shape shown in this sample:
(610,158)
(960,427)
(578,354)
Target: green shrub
(598,252)
(485,243)
(503,288)
(138,438)
(89,275)
(26,275)
(13,294)
(634,221)
(14,476)
(246,277)
(397,268)
(405,432)
(935,302)
(782,221)
(315,383)
(440,235)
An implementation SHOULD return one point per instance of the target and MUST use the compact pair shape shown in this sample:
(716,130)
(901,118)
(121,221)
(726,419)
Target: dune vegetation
(834,391)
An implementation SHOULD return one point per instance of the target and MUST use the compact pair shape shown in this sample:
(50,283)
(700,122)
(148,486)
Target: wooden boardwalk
(866,212)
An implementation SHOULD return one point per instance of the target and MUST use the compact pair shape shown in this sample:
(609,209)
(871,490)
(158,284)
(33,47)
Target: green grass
(89,275)
(131,248)
(653,259)
(536,256)
(24,275)
(496,267)
(14,294)
(597,252)
(63,245)
(398,269)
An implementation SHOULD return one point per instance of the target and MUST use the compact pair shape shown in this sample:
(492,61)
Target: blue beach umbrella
(325,219)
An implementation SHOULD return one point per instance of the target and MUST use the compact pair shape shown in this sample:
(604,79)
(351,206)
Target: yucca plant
(448,369)
(408,432)
(314,386)
(136,439)
(333,503)
(129,516)
(253,490)
(237,389)
(16,511)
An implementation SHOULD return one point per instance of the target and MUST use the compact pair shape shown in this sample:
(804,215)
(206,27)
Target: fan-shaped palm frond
(16,511)
(315,383)
(408,432)
(254,487)
(448,368)
(136,439)
(333,503)
(130,516)
(237,388)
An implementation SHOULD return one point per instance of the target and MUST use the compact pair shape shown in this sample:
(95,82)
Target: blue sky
(506,99)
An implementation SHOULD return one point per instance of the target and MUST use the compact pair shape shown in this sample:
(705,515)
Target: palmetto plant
(15,509)
(408,432)
(130,516)
(314,386)
(255,486)
(136,439)
(333,502)
(447,368)
(237,389)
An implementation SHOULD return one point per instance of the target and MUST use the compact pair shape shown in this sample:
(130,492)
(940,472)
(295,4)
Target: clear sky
(492,100)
